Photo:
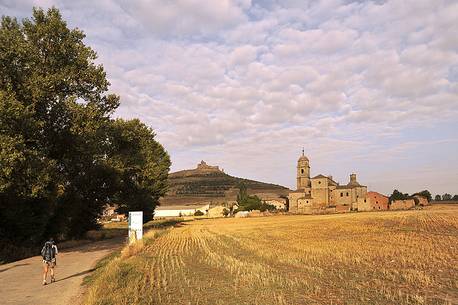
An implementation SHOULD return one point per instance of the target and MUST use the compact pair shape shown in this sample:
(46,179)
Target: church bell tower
(303,172)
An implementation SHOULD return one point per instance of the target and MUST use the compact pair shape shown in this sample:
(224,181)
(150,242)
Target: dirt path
(21,281)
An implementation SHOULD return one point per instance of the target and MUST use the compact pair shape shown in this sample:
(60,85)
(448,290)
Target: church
(322,194)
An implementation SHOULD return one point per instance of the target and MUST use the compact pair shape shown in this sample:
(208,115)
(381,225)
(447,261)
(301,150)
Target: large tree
(142,165)
(61,155)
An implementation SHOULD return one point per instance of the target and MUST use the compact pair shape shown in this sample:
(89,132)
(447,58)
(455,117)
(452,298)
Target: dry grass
(405,257)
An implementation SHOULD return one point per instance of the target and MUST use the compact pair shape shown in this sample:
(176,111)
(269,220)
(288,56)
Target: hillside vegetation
(192,186)
(407,257)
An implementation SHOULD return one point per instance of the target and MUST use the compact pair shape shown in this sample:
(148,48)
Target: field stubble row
(407,257)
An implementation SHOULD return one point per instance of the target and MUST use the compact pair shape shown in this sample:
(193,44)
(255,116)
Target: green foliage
(199,213)
(247,202)
(141,164)
(425,194)
(438,198)
(397,195)
(446,197)
(267,207)
(404,196)
(455,198)
(62,157)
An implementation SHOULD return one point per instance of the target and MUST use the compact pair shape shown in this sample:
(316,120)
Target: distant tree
(446,197)
(199,213)
(425,194)
(267,207)
(437,198)
(455,198)
(242,196)
(397,195)
(225,212)
(246,202)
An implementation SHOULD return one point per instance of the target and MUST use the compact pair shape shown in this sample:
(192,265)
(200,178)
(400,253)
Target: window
(376,202)
(302,171)
(341,194)
(364,200)
(319,182)
(347,194)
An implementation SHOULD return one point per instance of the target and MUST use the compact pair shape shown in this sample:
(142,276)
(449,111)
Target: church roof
(349,186)
(303,158)
(320,176)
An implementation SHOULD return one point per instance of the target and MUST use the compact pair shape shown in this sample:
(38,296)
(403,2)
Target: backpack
(48,252)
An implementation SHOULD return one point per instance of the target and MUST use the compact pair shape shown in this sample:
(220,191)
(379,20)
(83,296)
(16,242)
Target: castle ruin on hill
(204,167)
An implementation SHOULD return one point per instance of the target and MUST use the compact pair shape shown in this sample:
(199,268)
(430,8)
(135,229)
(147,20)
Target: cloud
(186,17)
(246,84)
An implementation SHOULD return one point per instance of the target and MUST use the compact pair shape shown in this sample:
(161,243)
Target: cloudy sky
(365,86)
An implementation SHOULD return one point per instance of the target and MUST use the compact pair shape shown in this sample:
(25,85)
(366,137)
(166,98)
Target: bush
(199,213)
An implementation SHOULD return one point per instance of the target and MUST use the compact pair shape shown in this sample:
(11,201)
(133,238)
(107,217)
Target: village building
(423,201)
(278,203)
(109,213)
(322,194)
(373,202)
(178,211)
(402,204)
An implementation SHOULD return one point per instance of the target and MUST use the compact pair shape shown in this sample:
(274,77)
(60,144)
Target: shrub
(199,213)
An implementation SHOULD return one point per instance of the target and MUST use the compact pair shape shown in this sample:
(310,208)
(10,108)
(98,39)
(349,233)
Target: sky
(365,87)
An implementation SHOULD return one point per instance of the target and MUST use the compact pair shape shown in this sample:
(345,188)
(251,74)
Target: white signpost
(135,226)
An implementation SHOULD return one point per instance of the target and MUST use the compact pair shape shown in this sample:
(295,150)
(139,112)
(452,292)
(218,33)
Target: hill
(210,184)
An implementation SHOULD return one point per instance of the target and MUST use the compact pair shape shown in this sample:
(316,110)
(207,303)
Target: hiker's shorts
(50,263)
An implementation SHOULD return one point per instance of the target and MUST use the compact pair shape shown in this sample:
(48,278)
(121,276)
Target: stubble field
(406,257)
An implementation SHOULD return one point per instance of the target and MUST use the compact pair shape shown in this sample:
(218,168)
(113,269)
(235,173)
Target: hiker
(49,253)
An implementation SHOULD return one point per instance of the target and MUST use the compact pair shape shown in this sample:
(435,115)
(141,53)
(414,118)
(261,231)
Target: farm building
(421,200)
(278,203)
(181,210)
(402,204)
(373,202)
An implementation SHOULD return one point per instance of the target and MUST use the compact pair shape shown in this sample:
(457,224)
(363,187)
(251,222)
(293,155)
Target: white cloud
(246,84)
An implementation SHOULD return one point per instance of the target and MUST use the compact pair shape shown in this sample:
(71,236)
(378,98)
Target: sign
(135,226)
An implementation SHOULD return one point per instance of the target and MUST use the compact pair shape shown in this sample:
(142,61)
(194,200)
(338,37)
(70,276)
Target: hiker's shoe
(53,279)
(44,283)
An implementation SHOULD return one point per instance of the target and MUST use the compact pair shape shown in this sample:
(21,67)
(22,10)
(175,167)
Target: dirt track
(21,281)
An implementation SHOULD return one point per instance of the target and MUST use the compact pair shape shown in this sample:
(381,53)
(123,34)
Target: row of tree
(62,155)
(446,197)
(397,195)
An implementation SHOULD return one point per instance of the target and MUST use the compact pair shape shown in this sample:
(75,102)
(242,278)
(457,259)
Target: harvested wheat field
(406,257)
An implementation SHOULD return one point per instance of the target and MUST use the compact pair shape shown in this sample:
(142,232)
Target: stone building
(278,203)
(322,193)
(373,202)
(423,201)
(402,204)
